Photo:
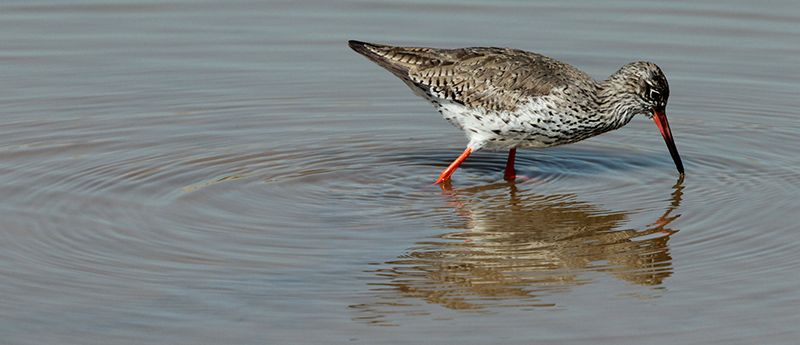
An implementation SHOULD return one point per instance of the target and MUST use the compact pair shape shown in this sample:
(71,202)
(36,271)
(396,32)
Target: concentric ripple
(230,173)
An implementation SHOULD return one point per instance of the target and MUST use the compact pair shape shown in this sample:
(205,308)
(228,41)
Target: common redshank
(507,98)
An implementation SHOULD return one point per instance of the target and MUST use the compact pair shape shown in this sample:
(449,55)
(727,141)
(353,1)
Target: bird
(505,99)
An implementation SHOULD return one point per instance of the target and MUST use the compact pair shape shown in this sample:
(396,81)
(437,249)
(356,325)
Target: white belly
(533,125)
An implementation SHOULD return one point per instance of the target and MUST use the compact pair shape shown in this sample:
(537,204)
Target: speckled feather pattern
(506,98)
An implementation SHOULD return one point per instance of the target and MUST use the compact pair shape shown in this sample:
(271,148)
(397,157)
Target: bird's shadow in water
(513,248)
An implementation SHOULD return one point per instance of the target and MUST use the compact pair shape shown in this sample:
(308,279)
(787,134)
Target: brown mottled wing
(491,78)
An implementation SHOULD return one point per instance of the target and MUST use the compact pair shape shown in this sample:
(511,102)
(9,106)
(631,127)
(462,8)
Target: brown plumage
(507,98)
(492,78)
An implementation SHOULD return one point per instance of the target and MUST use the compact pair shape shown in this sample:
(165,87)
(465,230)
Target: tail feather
(398,60)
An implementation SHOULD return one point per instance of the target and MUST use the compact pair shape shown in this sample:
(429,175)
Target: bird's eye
(655,95)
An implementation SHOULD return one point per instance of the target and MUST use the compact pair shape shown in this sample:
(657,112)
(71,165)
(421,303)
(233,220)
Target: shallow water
(191,172)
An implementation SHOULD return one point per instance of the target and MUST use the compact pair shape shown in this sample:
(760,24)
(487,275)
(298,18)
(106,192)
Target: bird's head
(642,88)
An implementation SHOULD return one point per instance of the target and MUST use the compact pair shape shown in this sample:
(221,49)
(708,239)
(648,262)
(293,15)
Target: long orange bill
(663,126)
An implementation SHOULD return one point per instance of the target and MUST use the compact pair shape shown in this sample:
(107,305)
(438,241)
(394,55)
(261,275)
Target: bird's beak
(663,126)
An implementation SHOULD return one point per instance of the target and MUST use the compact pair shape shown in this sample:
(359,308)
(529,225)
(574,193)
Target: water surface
(191,172)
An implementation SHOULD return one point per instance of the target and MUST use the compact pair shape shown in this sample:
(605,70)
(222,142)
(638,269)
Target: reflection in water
(515,251)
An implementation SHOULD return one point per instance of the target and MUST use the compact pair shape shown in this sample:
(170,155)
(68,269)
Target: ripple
(194,172)
(591,213)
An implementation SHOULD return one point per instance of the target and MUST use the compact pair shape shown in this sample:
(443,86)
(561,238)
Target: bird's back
(481,77)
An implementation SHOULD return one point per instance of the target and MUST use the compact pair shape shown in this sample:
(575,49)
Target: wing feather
(491,78)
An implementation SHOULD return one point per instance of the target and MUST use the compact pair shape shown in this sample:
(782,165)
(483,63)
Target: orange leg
(453,166)
(510,173)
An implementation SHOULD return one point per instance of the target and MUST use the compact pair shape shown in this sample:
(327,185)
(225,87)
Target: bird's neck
(615,101)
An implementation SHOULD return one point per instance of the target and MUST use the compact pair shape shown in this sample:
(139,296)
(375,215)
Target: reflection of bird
(544,237)
(523,250)
(508,99)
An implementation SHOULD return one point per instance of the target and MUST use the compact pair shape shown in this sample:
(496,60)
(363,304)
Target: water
(189,172)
